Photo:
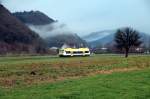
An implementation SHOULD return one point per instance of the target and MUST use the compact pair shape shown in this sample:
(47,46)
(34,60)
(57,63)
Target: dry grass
(18,71)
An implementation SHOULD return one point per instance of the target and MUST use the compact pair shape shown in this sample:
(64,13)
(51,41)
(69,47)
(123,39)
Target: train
(74,52)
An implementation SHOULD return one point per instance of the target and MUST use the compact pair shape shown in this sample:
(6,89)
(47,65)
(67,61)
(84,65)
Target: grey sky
(85,16)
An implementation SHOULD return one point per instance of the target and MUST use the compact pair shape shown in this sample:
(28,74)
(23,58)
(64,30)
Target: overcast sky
(85,16)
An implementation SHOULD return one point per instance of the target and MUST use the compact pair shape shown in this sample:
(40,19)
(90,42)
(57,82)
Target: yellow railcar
(74,52)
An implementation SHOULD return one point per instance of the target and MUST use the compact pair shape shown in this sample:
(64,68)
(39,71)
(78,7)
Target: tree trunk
(126,53)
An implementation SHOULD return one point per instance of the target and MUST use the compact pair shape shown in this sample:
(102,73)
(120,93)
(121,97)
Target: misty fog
(50,29)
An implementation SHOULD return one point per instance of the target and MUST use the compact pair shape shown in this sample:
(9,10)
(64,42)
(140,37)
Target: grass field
(95,77)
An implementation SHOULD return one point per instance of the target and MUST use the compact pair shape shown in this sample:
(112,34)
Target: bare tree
(126,38)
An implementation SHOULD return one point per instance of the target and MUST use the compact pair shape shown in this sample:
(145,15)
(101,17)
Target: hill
(15,37)
(33,17)
(69,39)
(55,33)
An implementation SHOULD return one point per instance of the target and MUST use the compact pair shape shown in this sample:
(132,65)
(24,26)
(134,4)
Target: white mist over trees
(49,30)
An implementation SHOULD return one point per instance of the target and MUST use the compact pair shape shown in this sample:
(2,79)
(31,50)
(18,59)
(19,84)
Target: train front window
(78,52)
(86,51)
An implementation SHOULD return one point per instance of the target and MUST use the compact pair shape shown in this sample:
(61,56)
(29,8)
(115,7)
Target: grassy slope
(129,85)
(15,77)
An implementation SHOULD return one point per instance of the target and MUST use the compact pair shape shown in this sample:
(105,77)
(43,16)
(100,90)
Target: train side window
(75,53)
(80,52)
(68,52)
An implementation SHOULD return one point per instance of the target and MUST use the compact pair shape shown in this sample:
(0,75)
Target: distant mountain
(145,39)
(15,37)
(97,35)
(109,39)
(33,17)
(102,41)
(69,39)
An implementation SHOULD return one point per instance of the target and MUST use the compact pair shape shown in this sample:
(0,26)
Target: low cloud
(50,29)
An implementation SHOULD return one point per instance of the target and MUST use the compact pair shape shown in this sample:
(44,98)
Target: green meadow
(94,77)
